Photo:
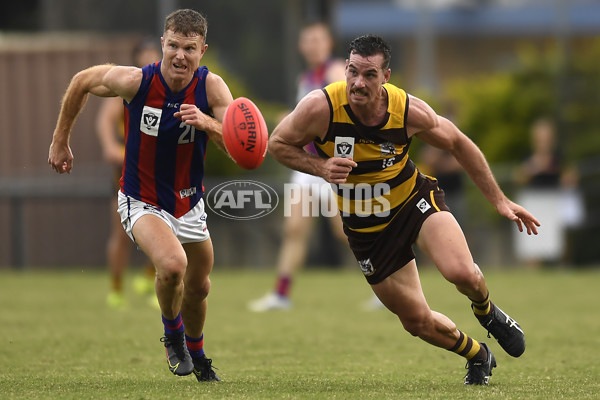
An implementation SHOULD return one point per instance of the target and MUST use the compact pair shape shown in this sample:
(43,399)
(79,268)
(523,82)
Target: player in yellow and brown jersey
(362,129)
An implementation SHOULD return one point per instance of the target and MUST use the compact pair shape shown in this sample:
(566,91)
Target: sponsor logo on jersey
(423,206)
(387,149)
(183,193)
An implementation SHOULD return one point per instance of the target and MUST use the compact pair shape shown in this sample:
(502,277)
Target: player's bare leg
(292,255)
(337,228)
(118,250)
(443,241)
(296,231)
(163,249)
(194,305)
(402,294)
(196,286)
(159,243)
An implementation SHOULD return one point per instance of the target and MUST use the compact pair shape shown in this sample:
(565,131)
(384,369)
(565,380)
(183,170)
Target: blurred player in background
(110,129)
(362,129)
(315,44)
(549,189)
(172,108)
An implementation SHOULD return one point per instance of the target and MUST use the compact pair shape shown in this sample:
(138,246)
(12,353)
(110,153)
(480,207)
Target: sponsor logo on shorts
(152,209)
(366,267)
(423,205)
(242,199)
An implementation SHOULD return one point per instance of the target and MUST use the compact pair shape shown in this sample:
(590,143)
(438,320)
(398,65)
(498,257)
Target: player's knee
(419,327)
(465,276)
(172,269)
(203,288)
(416,329)
(292,231)
(198,291)
(296,228)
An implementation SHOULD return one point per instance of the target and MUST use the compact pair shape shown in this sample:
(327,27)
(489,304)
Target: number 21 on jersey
(188,135)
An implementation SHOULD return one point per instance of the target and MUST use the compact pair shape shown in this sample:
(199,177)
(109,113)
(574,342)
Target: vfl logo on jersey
(150,120)
(423,206)
(344,147)
(387,149)
(367,267)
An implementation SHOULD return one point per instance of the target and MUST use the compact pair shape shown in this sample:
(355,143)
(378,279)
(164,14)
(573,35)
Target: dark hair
(187,22)
(370,45)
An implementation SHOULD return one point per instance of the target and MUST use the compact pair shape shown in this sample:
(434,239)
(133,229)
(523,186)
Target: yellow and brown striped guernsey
(385,177)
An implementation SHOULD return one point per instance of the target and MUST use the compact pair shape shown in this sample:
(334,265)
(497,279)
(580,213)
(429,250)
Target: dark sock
(173,325)
(469,348)
(195,346)
(482,308)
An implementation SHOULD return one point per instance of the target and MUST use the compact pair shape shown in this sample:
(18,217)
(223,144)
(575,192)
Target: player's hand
(60,158)
(522,217)
(336,169)
(191,115)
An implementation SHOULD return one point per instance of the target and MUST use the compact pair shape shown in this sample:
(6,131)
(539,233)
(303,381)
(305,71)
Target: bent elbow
(275,148)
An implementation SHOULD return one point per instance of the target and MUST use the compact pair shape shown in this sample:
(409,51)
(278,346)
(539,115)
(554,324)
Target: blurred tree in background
(496,110)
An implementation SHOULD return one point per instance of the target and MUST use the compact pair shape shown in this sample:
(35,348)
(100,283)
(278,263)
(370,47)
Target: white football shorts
(307,188)
(188,228)
(312,181)
(301,178)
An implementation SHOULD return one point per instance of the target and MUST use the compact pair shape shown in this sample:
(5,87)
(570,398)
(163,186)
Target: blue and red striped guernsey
(164,158)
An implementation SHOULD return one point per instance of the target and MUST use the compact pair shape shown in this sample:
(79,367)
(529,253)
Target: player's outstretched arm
(308,121)
(442,133)
(101,80)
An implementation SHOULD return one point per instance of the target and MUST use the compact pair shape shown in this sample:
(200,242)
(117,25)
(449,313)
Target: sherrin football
(245,133)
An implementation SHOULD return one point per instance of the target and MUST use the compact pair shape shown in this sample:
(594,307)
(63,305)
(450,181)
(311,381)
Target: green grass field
(60,341)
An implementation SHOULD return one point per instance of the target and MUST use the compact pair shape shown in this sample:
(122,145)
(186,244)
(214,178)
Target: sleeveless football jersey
(164,158)
(385,178)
